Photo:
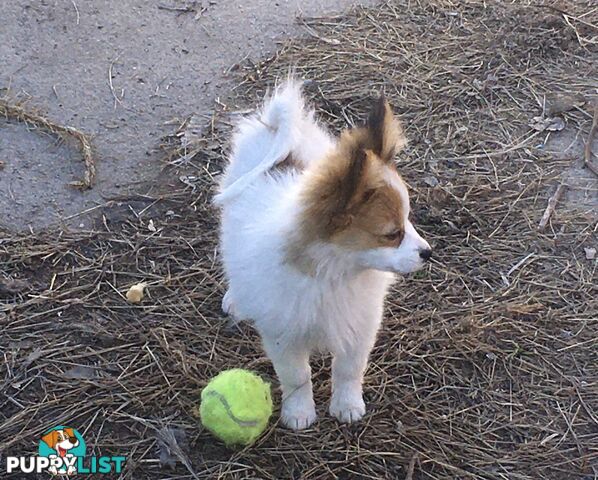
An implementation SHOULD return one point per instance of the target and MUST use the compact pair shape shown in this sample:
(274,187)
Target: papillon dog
(313,229)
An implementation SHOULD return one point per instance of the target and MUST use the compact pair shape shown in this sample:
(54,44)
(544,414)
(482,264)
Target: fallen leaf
(136,292)
(552,124)
(431,180)
(82,372)
(556,124)
(189,180)
(16,285)
(33,356)
(590,253)
(173,446)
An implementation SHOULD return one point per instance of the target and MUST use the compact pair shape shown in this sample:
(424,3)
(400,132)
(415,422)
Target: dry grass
(16,111)
(486,367)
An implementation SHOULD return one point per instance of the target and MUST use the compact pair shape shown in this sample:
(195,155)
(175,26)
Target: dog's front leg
(348,368)
(294,373)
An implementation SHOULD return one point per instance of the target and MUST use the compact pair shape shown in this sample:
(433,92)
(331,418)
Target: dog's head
(356,200)
(61,440)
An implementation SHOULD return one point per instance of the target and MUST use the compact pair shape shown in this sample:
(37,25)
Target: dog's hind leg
(294,373)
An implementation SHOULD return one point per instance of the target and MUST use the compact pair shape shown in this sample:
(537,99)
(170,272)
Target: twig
(588,150)
(552,201)
(187,9)
(411,468)
(19,113)
(76,10)
(116,99)
(311,32)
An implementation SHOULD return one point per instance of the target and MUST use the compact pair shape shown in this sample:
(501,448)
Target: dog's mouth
(61,451)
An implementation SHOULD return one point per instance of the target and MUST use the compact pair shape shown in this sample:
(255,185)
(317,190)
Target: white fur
(339,308)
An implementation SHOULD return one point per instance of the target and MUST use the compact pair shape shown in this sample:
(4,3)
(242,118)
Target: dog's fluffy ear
(51,439)
(351,182)
(385,135)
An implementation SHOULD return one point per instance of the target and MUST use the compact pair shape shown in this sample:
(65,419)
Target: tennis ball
(236,406)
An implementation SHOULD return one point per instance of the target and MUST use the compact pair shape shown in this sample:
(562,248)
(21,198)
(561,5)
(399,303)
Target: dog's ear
(69,432)
(385,135)
(351,182)
(51,439)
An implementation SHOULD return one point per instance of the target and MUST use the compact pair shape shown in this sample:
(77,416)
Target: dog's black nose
(426,254)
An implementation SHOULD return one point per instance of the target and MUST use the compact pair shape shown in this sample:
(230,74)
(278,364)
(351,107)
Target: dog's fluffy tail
(279,122)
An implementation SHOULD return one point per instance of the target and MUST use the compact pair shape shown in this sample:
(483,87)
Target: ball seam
(234,418)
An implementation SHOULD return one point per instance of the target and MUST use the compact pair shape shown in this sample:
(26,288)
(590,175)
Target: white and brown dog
(62,441)
(309,250)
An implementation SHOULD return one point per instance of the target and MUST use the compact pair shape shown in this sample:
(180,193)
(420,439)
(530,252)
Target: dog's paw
(299,420)
(347,407)
(298,414)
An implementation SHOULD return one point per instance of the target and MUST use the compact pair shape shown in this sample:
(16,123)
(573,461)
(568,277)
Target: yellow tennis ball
(236,406)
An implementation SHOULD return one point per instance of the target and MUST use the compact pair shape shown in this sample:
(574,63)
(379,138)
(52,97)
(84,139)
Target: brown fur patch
(347,200)
(374,222)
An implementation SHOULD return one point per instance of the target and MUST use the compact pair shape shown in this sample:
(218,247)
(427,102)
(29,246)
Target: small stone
(431,180)
(135,293)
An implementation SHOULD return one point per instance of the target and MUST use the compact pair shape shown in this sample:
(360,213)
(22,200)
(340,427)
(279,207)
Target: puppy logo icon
(62,445)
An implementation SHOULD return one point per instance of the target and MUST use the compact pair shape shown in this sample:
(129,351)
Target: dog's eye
(395,236)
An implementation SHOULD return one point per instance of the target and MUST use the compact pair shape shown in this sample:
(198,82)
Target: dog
(62,441)
(313,231)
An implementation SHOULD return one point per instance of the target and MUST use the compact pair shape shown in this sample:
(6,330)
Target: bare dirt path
(119,71)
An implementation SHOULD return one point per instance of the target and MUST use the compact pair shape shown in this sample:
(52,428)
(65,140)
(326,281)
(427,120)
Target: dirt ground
(120,72)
